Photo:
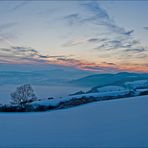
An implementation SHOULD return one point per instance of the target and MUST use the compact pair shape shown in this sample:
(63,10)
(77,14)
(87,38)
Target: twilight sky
(102,36)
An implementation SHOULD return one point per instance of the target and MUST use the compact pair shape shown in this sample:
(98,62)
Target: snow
(137,84)
(142,90)
(110,88)
(42,103)
(114,123)
(41,91)
(55,102)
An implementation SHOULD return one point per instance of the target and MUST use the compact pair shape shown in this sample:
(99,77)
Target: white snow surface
(110,88)
(114,123)
(55,102)
(142,90)
(41,91)
(137,84)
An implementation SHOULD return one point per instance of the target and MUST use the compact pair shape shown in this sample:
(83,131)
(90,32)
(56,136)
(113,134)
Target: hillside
(108,79)
(41,77)
(115,123)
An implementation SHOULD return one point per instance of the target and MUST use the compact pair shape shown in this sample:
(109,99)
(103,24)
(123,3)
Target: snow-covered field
(110,88)
(115,123)
(102,95)
(41,91)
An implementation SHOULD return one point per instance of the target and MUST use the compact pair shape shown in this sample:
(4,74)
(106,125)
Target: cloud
(117,42)
(103,36)
(4,35)
(145,28)
(80,41)
(94,68)
(113,45)
(75,42)
(18,54)
(119,37)
(102,69)
(7,25)
(28,55)
(109,63)
(128,32)
(140,49)
(72,18)
(85,65)
(94,7)
(93,40)
(7,39)
(5,49)
(20,5)
(101,17)
(84,28)
(69,61)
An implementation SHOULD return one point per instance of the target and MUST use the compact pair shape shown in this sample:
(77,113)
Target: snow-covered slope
(110,88)
(137,84)
(101,95)
(100,80)
(115,123)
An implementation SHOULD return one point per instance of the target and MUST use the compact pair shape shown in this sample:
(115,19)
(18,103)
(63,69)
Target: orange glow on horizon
(85,65)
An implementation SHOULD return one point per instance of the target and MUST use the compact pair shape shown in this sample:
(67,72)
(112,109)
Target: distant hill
(41,77)
(109,79)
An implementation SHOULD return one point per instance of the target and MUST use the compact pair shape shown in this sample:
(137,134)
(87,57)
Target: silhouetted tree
(23,95)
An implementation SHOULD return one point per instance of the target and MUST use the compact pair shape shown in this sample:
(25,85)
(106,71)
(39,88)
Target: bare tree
(22,95)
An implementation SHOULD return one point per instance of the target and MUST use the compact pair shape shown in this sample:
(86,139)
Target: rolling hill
(100,80)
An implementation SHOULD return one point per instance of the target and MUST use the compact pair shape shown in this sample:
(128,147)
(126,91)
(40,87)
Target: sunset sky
(101,36)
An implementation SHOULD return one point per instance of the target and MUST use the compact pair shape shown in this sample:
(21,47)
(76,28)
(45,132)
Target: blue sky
(102,36)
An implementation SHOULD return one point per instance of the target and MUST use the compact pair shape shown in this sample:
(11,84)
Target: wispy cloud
(94,7)
(83,28)
(28,55)
(6,26)
(24,54)
(20,5)
(72,18)
(108,63)
(75,42)
(140,49)
(128,32)
(85,65)
(4,35)
(145,28)
(100,16)
(118,37)
(130,46)
(80,41)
